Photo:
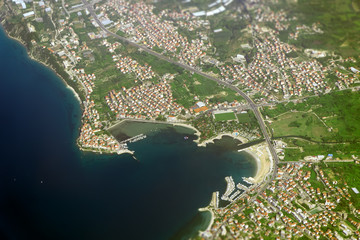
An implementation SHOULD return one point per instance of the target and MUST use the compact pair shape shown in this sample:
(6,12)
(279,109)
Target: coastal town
(221,69)
(305,199)
(275,71)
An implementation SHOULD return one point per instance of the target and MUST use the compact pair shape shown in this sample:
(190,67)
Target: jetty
(234,195)
(134,139)
(242,187)
(248,180)
(229,188)
(214,200)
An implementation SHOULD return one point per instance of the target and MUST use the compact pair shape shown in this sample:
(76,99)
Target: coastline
(261,155)
(180,124)
(122,151)
(19,40)
(211,140)
(263,166)
(207,209)
(197,132)
(31,57)
(185,125)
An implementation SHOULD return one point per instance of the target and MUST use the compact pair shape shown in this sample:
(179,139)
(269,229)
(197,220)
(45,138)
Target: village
(274,71)
(139,21)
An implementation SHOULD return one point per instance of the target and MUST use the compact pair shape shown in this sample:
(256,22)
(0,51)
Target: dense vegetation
(209,127)
(339,19)
(345,173)
(339,110)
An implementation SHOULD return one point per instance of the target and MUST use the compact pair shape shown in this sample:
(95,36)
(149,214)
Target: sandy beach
(211,140)
(261,155)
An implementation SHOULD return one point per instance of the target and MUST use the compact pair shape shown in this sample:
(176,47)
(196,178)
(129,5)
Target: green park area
(225,116)
(299,124)
(246,117)
(186,86)
(300,148)
(340,111)
(210,127)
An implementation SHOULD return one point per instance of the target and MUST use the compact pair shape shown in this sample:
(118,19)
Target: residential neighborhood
(302,201)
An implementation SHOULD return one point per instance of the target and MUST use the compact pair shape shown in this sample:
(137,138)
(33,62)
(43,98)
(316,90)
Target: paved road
(253,106)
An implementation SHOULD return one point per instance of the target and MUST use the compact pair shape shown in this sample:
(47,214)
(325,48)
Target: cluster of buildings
(279,18)
(67,47)
(129,65)
(291,206)
(90,132)
(91,136)
(272,70)
(87,80)
(303,29)
(139,21)
(24,4)
(88,139)
(145,101)
(249,78)
(344,80)
(214,8)
(111,47)
(184,19)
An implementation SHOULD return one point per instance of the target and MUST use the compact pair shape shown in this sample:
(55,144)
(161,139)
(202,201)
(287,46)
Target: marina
(242,187)
(248,180)
(234,195)
(229,188)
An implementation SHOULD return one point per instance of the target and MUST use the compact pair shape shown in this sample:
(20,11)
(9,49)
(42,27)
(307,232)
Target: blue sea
(49,189)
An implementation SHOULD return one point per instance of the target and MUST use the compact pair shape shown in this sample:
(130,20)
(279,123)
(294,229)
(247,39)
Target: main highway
(251,103)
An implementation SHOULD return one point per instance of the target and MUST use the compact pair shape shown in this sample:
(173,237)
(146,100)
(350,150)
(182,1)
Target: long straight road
(251,103)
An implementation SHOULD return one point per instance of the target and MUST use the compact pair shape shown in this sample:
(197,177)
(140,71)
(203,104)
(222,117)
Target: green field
(225,116)
(186,86)
(299,124)
(339,110)
(244,117)
(304,148)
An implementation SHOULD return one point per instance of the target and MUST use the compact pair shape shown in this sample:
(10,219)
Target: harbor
(234,191)
(229,188)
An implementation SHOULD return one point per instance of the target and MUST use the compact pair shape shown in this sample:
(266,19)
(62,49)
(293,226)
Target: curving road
(251,103)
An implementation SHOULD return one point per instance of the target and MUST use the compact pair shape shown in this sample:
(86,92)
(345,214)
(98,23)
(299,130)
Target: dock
(229,188)
(215,200)
(248,180)
(242,187)
(134,139)
(234,195)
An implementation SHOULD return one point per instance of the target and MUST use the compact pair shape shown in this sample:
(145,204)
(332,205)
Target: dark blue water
(51,190)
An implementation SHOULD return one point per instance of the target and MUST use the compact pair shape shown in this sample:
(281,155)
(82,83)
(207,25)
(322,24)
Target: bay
(51,190)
